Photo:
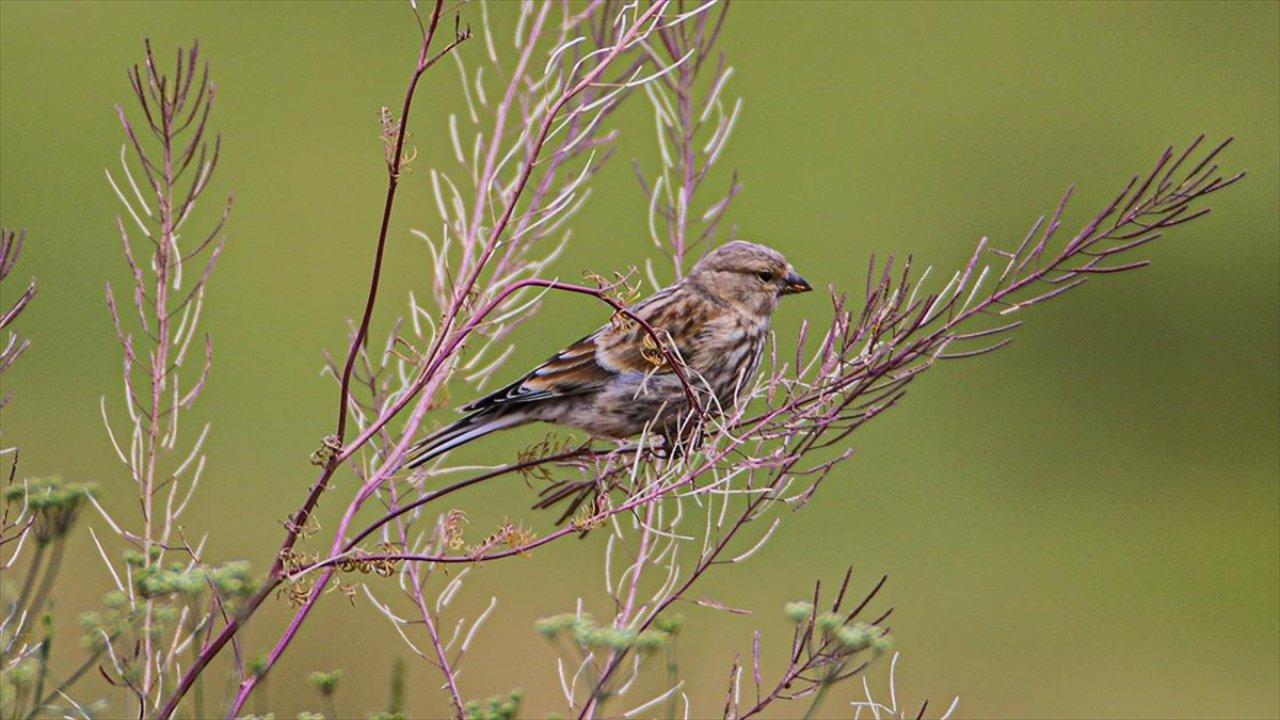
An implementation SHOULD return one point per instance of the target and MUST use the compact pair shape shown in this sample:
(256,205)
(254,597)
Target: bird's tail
(465,430)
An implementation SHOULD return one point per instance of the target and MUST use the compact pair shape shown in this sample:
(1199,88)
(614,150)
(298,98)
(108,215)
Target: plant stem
(299,519)
(823,686)
(393,182)
(29,581)
(198,693)
(41,594)
(673,677)
(27,584)
(446,347)
(46,583)
(44,670)
(72,679)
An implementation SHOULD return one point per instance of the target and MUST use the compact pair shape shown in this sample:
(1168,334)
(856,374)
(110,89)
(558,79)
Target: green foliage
(55,504)
(257,664)
(325,683)
(614,638)
(669,623)
(854,637)
(849,639)
(881,644)
(498,707)
(133,558)
(585,632)
(232,580)
(398,670)
(551,626)
(829,621)
(799,611)
(16,682)
(101,627)
(651,640)
(21,675)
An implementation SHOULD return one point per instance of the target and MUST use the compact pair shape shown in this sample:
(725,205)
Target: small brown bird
(614,383)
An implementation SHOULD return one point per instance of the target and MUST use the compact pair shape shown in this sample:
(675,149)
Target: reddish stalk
(393,182)
(299,519)
(430,376)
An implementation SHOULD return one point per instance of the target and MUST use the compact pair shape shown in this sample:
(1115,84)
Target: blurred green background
(1087,524)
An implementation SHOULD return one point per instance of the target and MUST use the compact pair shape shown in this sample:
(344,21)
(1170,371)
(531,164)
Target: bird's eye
(765,276)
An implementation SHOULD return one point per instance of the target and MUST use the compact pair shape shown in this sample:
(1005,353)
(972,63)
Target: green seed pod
(669,624)
(853,638)
(829,621)
(799,611)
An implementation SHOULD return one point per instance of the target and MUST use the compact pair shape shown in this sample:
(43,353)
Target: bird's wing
(620,347)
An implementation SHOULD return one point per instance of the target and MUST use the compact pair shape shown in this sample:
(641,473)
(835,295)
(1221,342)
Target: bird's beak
(795,284)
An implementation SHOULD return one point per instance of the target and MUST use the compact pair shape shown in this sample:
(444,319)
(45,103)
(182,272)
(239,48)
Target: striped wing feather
(613,350)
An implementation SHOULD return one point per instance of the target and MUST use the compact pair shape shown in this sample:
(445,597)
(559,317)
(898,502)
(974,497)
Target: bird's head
(750,276)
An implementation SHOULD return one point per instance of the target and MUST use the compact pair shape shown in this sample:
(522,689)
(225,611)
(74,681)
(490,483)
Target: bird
(616,383)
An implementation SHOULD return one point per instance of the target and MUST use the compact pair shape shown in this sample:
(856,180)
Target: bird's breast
(729,356)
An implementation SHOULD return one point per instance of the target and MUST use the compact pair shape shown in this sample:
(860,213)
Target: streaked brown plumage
(612,383)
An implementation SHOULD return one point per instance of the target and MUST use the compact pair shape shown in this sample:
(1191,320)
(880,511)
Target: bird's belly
(633,403)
